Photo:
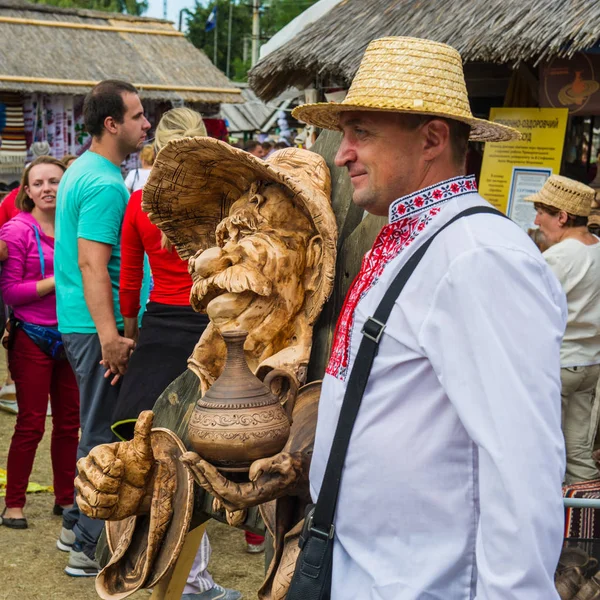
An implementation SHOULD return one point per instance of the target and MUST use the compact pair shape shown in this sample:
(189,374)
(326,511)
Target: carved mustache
(235,279)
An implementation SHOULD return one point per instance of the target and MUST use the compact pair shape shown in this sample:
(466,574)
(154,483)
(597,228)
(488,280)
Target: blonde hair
(178,123)
(175,124)
(23,201)
(67,158)
(147,154)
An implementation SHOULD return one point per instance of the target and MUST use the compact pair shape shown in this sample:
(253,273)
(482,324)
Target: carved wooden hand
(115,480)
(270,478)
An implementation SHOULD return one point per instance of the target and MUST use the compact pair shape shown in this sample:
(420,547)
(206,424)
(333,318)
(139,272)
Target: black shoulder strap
(323,516)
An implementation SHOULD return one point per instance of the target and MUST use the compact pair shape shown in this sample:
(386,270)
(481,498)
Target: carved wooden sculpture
(268,271)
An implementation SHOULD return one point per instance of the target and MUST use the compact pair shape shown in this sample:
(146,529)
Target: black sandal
(13,523)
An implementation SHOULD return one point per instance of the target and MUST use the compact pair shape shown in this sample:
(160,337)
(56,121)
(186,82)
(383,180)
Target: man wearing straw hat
(451,487)
(563,207)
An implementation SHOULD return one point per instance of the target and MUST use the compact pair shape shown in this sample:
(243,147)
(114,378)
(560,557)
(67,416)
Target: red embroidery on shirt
(418,211)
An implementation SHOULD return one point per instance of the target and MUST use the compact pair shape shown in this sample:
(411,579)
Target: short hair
(459,133)
(147,154)
(67,158)
(251,145)
(266,146)
(105,100)
(178,123)
(572,220)
(23,201)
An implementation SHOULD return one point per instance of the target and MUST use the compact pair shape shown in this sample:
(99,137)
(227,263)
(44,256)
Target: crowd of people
(487,370)
(75,244)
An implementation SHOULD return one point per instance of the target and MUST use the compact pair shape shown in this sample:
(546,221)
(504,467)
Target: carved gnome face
(257,276)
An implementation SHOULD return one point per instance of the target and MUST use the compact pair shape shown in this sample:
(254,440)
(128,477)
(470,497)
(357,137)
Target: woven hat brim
(326,115)
(548,201)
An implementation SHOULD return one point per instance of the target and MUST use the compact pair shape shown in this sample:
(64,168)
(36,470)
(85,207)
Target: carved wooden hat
(195,181)
(145,547)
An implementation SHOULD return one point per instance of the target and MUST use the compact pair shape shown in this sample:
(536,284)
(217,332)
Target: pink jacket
(22,270)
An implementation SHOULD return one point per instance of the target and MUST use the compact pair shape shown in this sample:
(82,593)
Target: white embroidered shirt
(452,483)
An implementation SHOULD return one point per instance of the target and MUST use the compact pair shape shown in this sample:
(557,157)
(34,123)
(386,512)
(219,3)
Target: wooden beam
(90,27)
(140,86)
(171,586)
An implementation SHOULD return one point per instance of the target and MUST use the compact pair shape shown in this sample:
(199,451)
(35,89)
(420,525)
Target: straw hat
(565,194)
(195,181)
(408,75)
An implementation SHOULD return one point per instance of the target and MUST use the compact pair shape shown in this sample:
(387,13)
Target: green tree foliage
(274,15)
(131,7)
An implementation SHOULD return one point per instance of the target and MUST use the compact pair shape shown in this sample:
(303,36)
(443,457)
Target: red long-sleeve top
(8,210)
(172,282)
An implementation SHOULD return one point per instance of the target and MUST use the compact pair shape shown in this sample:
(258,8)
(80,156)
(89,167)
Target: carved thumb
(141,436)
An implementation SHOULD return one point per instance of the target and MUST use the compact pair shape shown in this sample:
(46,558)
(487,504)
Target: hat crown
(306,168)
(411,74)
(565,194)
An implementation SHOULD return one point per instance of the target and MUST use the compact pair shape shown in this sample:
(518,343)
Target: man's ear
(436,138)
(314,263)
(110,125)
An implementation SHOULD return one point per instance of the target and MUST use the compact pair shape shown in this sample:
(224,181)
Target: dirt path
(31,568)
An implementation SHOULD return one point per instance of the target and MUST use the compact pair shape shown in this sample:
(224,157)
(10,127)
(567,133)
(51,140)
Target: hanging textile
(14,148)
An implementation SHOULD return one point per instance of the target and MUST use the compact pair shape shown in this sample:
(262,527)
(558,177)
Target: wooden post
(172,585)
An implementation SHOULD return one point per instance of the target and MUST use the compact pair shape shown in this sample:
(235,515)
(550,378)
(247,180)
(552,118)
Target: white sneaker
(9,406)
(255,548)
(66,540)
(8,390)
(80,565)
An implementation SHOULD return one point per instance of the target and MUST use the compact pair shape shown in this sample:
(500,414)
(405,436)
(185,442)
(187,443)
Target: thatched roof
(65,51)
(500,31)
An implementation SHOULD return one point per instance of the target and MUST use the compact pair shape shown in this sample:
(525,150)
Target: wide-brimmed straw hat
(408,75)
(195,181)
(565,194)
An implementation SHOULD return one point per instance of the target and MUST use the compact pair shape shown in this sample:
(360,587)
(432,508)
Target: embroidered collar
(412,205)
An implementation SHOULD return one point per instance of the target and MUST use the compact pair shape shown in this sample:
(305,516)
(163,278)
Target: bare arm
(45,286)
(97,289)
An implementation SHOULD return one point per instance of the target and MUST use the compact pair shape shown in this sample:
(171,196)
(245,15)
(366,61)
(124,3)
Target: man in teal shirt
(90,207)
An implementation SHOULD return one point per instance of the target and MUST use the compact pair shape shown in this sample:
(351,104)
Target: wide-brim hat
(408,75)
(565,194)
(194,182)
(144,548)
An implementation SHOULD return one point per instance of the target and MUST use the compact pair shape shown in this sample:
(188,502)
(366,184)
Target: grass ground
(31,567)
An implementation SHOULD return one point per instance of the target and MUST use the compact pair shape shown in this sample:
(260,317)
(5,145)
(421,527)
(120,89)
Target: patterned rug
(14,147)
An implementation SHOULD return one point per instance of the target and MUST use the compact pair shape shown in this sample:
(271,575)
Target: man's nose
(537,220)
(345,154)
(146,124)
(212,261)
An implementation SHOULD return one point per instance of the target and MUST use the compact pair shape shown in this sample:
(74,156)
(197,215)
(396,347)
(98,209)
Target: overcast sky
(155,9)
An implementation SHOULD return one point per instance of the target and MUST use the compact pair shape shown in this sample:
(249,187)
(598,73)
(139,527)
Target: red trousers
(36,375)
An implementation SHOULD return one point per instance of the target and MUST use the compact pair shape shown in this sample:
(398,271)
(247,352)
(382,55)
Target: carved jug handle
(284,386)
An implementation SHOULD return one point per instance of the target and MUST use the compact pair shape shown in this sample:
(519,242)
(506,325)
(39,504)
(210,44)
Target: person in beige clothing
(562,208)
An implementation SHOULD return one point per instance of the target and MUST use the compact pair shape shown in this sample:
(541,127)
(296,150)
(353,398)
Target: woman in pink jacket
(35,356)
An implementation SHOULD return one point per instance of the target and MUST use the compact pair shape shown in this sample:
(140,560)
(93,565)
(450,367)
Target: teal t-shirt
(90,204)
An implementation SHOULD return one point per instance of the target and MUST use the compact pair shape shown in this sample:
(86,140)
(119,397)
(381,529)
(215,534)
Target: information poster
(512,170)
(525,182)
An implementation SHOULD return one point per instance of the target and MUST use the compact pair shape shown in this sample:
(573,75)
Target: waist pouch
(47,339)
